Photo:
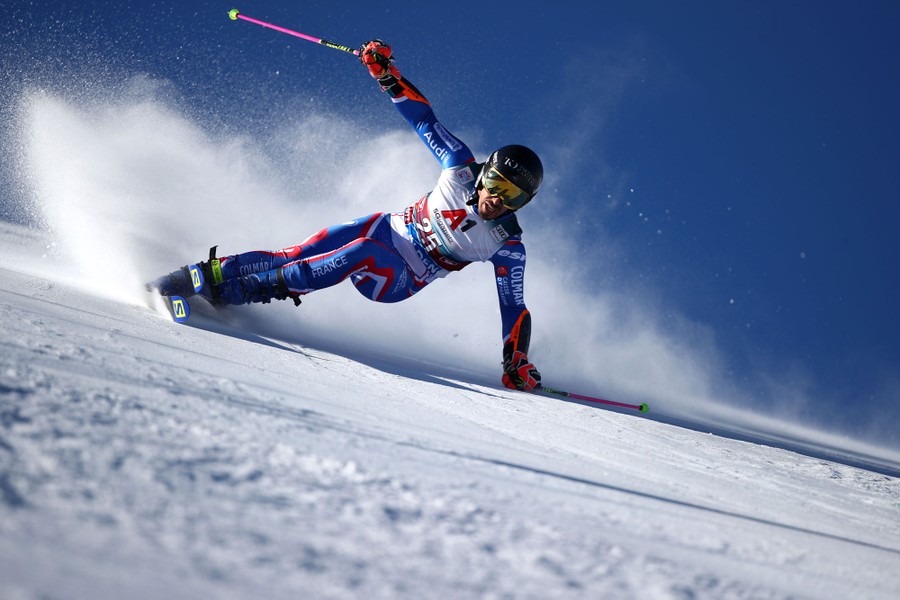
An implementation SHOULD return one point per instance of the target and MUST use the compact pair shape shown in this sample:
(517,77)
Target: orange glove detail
(519,374)
(378,56)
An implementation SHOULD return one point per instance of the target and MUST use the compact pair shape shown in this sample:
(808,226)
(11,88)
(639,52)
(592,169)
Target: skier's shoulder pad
(465,174)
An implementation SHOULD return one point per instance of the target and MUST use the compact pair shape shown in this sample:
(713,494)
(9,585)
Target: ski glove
(519,374)
(377,56)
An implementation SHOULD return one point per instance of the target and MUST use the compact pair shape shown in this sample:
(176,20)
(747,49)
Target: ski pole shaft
(234,15)
(639,407)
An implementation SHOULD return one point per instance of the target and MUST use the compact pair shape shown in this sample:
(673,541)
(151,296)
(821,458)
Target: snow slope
(324,452)
(143,459)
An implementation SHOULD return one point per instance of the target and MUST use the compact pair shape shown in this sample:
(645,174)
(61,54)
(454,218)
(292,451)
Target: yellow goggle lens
(511,196)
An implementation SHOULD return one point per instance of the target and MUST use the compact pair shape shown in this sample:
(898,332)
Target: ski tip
(180,309)
(644,408)
(233,14)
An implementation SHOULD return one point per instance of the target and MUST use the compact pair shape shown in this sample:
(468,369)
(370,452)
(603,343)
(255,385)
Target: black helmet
(516,165)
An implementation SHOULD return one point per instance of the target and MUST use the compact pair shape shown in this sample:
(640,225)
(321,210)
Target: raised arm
(413,106)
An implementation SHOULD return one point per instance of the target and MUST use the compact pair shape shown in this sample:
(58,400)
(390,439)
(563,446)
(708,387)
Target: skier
(469,216)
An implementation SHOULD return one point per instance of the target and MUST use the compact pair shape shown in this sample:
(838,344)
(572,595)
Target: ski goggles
(511,196)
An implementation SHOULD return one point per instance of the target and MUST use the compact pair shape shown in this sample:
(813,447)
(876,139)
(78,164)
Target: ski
(178,308)
(174,289)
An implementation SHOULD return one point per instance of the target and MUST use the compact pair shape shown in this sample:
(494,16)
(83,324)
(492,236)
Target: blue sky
(735,161)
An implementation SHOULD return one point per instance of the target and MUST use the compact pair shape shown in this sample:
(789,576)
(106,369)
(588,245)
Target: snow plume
(129,187)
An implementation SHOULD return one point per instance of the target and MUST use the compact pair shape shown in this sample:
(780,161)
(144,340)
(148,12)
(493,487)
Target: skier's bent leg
(372,264)
(375,268)
(327,240)
(216,271)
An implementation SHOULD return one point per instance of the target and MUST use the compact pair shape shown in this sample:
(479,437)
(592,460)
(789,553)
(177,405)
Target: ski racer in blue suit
(468,216)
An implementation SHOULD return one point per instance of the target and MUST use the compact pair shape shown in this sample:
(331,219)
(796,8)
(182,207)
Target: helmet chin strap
(473,199)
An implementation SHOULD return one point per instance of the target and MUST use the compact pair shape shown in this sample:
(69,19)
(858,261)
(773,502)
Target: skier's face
(490,207)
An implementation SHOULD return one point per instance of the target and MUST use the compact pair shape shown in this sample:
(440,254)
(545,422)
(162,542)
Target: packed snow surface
(144,459)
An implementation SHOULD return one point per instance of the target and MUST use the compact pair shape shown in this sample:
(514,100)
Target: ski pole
(639,407)
(234,15)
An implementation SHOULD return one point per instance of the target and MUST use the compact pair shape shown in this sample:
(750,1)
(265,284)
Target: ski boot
(256,287)
(200,278)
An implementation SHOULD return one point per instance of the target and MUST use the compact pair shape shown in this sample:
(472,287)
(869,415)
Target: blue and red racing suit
(391,256)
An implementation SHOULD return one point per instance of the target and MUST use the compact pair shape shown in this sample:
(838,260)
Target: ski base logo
(196,277)
(181,310)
